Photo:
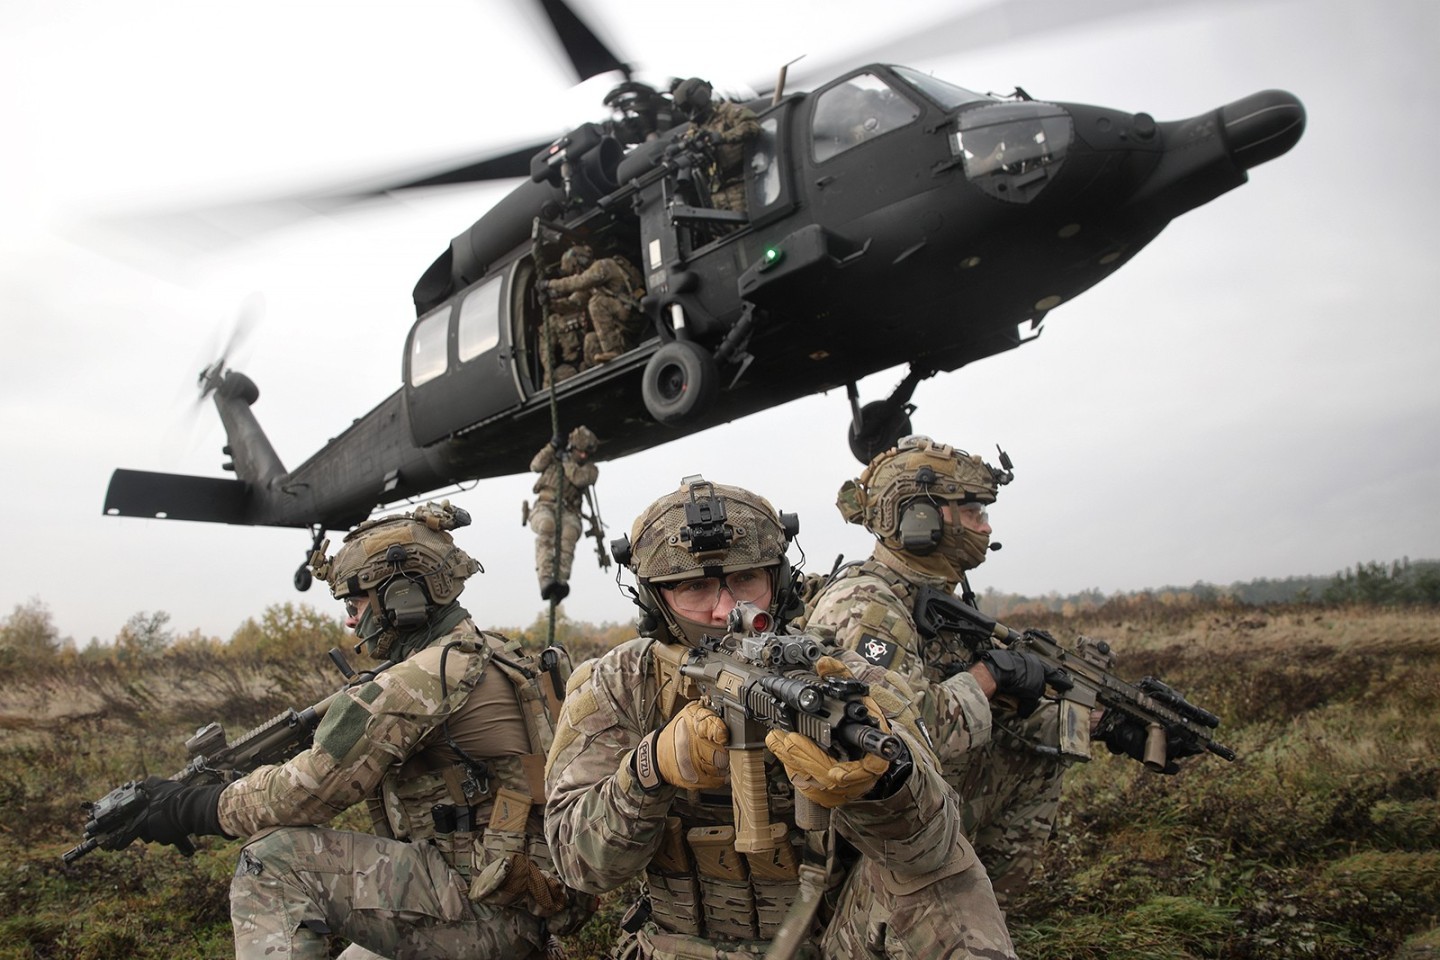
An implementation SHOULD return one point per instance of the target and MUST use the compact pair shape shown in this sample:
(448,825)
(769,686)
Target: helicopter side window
(860,109)
(427,347)
(479,327)
(762,163)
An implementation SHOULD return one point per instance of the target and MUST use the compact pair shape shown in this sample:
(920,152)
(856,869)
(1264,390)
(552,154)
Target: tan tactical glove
(692,752)
(819,777)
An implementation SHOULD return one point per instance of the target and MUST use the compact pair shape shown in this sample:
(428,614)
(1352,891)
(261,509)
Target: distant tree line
(1401,583)
(28,635)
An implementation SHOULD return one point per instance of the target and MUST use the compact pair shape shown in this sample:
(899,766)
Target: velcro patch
(877,650)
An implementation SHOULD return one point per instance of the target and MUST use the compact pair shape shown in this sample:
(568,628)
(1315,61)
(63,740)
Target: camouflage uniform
(562,339)
(577,473)
(728,126)
(913,889)
(1009,792)
(609,290)
(446,749)
(731,125)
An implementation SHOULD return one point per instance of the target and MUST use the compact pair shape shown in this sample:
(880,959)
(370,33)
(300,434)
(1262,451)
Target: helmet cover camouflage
(705,529)
(577,258)
(916,467)
(583,438)
(416,545)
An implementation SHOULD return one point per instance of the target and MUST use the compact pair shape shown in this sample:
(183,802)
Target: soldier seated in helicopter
(607,292)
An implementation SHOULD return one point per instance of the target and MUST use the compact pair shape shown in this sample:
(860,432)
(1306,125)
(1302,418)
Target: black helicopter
(890,217)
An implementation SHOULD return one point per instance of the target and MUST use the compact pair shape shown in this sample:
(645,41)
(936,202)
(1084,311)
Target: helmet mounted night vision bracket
(705,528)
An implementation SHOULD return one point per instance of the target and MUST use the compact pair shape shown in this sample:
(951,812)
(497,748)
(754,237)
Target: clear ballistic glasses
(703,594)
(975,513)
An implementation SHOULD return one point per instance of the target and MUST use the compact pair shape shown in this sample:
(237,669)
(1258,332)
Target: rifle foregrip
(749,801)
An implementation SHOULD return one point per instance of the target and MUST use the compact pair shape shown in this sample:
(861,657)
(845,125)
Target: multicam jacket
(578,476)
(391,742)
(1009,792)
(867,609)
(605,829)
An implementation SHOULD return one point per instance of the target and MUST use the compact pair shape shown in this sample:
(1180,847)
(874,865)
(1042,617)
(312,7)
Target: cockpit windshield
(947,95)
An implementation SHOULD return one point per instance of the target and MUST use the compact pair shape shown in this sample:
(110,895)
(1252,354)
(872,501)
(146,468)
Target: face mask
(963,547)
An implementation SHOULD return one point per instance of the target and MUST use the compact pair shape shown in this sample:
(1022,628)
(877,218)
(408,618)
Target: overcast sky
(1253,396)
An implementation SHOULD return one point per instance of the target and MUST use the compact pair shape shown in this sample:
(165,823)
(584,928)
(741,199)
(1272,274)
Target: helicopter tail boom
(171,496)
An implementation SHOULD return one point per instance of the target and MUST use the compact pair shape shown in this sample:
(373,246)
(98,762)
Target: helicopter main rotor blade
(974,29)
(506,166)
(588,54)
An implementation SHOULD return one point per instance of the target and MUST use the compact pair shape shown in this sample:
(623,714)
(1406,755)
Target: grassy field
(1321,841)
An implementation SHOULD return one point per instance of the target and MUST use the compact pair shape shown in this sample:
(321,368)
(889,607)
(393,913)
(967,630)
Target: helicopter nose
(1262,126)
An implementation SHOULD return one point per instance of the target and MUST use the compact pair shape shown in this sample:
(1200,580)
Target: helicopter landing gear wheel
(882,424)
(303,578)
(680,381)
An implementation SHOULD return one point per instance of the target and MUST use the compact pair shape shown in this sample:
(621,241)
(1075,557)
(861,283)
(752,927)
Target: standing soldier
(638,779)
(925,503)
(726,125)
(445,747)
(565,474)
(608,290)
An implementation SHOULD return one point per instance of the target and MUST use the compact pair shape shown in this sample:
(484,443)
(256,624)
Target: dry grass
(1322,841)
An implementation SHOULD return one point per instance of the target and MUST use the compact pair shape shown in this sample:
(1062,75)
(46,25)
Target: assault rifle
(1173,726)
(758,681)
(597,528)
(115,819)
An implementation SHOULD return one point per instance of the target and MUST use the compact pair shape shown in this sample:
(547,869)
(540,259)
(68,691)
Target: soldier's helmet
(915,469)
(706,529)
(692,96)
(577,258)
(583,439)
(414,547)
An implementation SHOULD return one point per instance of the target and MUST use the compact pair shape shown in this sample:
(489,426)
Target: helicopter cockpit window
(860,109)
(947,95)
(479,328)
(427,347)
(1012,150)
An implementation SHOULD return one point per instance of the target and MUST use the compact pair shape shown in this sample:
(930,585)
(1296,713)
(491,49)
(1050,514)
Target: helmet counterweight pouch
(920,527)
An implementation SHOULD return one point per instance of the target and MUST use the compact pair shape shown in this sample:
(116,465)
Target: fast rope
(558,510)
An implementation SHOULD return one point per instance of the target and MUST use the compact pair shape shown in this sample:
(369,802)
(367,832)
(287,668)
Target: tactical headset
(921,522)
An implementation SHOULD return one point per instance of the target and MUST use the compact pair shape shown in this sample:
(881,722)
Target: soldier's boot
(612,341)
(556,590)
(592,348)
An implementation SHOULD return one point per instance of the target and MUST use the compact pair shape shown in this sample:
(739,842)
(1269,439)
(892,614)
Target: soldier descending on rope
(566,475)
(608,291)
(445,748)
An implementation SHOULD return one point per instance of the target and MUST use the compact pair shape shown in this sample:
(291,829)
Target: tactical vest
(476,815)
(698,884)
